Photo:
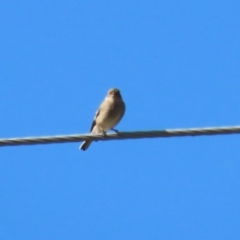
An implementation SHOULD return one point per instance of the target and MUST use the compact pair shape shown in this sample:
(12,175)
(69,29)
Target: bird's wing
(94,120)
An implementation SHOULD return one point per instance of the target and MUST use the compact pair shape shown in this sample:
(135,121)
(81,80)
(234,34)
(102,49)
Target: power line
(120,136)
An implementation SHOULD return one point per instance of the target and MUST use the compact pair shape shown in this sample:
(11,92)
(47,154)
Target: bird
(108,115)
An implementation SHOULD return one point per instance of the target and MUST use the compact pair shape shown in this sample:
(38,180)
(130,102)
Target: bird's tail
(85,145)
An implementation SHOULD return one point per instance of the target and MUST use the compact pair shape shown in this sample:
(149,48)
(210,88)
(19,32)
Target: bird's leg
(103,134)
(115,130)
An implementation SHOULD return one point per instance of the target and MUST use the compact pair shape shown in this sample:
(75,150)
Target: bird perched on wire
(107,116)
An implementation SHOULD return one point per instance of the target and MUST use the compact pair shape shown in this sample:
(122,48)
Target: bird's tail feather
(85,145)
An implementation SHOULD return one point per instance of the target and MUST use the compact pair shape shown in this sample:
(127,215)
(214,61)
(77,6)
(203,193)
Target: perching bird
(107,116)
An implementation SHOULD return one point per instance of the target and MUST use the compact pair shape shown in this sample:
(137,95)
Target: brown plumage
(108,115)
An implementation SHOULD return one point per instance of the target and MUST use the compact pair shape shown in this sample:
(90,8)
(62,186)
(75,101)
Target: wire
(120,136)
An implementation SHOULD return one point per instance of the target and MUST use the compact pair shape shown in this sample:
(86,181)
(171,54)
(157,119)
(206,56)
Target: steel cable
(121,135)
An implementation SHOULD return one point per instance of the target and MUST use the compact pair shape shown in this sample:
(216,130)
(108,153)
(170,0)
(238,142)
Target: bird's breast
(110,114)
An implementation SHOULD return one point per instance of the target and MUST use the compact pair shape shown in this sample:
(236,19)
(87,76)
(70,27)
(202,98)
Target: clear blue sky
(177,66)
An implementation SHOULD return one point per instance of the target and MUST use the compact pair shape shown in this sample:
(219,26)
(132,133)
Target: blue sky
(177,66)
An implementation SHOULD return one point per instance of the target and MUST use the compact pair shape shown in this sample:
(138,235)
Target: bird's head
(114,93)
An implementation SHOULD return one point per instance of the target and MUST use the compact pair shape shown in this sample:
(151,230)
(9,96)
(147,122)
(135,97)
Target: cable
(120,136)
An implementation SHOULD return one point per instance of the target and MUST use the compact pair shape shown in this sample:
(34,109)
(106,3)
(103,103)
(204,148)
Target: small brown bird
(107,116)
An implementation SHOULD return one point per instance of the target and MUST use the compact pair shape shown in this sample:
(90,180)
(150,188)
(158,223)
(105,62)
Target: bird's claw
(103,134)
